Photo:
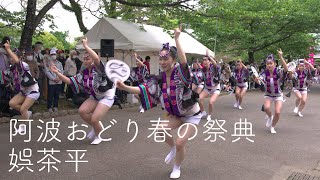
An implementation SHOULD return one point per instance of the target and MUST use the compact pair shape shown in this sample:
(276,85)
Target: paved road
(295,147)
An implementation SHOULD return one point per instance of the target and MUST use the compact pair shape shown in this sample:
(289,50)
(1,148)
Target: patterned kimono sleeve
(195,78)
(262,78)
(133,76)
(184,74)
(145,73)
(24,66)
(281,74)
(216,72)
(295,76)
(149,95)
(100,69)
(77,83)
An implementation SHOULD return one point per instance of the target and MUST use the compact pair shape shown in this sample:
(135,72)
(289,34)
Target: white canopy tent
(145,39)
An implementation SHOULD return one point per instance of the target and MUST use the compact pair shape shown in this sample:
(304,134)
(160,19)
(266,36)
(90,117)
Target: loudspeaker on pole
(107,48)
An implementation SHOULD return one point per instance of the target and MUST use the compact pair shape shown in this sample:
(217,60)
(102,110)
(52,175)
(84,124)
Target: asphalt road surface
(295,147)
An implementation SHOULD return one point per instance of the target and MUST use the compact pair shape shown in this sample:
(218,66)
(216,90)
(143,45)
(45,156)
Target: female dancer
(93,80)
(301,89)
(139,75)
(197,74)
(211,72)
(25,83)
(272,78)
(241,76)
(175,86)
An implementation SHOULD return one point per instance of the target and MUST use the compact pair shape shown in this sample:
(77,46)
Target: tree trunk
(251,56)
(28,29)
(78,12)
(32,21)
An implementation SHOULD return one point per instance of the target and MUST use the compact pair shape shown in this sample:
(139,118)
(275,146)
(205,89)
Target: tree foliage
(62,37)
(259,26)
(48,40)
(249,29)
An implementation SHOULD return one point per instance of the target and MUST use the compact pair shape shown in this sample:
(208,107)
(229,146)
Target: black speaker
(107,48)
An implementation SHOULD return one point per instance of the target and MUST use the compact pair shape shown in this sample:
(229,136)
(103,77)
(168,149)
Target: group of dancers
(271,80)
(179,89)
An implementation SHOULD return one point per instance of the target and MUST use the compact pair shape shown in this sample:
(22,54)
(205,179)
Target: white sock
(272,130)
(269,121)
(175,167)
(175,174)
(203,114)
(91,134)
(141,109)
(96,141)
(29,114)
(171,155)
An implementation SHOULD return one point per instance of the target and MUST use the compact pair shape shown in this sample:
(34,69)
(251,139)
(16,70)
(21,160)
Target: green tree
(48,40)
(255,26)
(29,19)
(62,37)
(12,32)
(156,12)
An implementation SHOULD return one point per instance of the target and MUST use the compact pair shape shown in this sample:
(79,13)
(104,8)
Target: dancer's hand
(7,45)
(120,85)
(54,69)
(177,32)
(56,80)
(256,79)
(280,53)
(85,41)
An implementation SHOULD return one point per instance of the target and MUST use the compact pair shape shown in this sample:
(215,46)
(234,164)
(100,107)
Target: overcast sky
(64,20)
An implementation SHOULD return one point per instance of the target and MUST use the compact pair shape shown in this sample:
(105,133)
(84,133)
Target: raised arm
(130,89)
(64,78)
(213,61)
(243,65)
(228,69)
(14,57)
(200,66)
(93,54)
(137,59)
(181,53)
(283,62)
(310,65)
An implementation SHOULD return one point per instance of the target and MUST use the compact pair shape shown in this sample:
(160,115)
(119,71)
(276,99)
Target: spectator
(70,70)
(54,82)
(33,65)
(61,58)
(78,61)
(4,63)
(42,80)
